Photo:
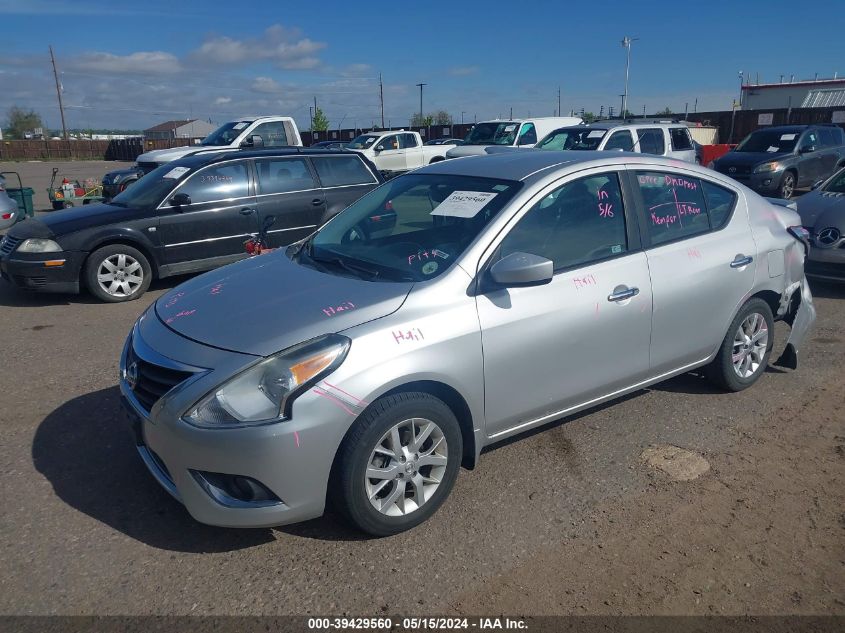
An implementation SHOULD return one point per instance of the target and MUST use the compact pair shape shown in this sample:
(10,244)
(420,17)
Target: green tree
(320,123)
(667,111)
(627,114)
(441,117)
(588,117)
(19,121)
(425,121)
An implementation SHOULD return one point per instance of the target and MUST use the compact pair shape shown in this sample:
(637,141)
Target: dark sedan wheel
(787,186)
(117,273)
(397,464)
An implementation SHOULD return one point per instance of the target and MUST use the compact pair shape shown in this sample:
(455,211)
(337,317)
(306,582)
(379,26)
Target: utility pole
(381,98)
(421,108)
(462,117)
(311,117)
(558,101)
(626,43)
(511,112)
(59,93)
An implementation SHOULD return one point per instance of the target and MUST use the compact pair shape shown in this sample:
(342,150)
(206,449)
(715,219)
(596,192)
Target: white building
(813,93)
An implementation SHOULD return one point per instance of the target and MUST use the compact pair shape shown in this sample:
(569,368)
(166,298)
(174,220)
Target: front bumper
(827,264)
(765,184)
(290,459)
(45,272)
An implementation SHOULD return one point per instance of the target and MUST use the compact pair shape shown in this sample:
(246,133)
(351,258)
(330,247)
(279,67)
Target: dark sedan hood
(747,158)
(821,210)
(71,220)
(267,303)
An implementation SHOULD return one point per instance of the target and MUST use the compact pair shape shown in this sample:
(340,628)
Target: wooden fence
(123,149)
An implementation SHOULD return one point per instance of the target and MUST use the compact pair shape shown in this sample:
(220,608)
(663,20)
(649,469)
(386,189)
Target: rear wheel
(398,463)
(787,186)
(117,273)
(744,354)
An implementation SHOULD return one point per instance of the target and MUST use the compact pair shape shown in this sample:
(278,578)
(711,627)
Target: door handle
(247,211)
(621,295)
(316,202)
(741,260)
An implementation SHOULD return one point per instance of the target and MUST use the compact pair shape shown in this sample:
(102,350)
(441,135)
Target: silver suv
(671,140)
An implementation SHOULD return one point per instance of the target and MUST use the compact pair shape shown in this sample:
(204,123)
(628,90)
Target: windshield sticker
(240,126)
(463,204)
(343,307)
(788,137)
(596,134)
(414,334)
(429,268)
(616,248)
(177,172)
(510,128)
(772,149)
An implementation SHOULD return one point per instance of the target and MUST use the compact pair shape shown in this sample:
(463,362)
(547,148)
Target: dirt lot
(571,519)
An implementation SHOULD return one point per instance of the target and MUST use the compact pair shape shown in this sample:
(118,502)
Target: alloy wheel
(406,467)
(750,343)
(120,275)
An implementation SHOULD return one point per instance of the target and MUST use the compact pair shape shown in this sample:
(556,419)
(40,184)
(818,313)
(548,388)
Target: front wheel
(787,186)
(117,272)
(398,463)
(744,354)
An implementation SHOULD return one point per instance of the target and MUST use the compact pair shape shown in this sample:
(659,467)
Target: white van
(519,133)
(244,133)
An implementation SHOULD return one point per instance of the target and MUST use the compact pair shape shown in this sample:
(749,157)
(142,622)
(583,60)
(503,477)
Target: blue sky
(134,64)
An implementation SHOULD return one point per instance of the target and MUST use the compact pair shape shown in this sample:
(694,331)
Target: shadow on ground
(14,297)
(86,451)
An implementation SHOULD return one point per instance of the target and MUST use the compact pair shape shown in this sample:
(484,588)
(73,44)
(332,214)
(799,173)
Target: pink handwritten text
(343,307)
(414,334)
(583,282)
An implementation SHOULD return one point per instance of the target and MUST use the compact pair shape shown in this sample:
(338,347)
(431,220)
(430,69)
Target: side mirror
(380,148)
(254,141)
(817,184)
(522,269)
(180,200)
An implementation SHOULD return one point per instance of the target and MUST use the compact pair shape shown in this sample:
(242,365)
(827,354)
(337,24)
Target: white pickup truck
(397,150)
(517,133)
(243,133)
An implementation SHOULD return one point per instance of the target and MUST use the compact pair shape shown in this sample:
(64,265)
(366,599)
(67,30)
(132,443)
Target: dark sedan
(187,216)
(822,213)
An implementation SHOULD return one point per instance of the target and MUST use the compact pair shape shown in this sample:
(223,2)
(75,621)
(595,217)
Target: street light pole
(733,110)
(421,108)
(626,43)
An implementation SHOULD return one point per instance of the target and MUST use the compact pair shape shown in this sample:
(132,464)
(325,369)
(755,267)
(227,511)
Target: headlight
(766,167)
(263,393)
(116,179)
(38,245)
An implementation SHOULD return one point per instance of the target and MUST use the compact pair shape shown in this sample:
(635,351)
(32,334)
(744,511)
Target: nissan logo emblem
(131,375)
(828,237)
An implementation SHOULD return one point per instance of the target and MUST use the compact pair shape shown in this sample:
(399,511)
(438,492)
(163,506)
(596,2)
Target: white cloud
(463,71)
(266,85)
(150,63)
(286,48)
(222,100)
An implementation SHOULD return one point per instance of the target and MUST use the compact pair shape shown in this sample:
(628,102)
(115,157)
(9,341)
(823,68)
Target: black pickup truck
(774,161)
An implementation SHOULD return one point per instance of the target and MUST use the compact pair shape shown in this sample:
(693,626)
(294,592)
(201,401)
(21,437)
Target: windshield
(411,228)
(150,190)
(226,133)
(771,141)
(576,138)
(362,142)
(837,183)
(492,133)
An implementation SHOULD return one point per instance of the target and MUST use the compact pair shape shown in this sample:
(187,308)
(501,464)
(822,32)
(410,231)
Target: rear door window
(409,140)
(720,203)
(680,138)
(341,171)
(282,175)
(621,140)
(651,141)
(674,206)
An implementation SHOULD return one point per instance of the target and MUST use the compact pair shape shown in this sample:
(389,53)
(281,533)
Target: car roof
(529,165)
(208,157)
(784,128)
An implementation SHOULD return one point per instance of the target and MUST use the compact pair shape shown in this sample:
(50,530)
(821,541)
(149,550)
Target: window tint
(389,142)
(651,141)
(581,222)
(621,140)
(218,182)
(674,206)
(680,138)
(409,140)
(337,171)
(810,139)
(827,137)
(720,203)
(272,133)
(528,135)
(278,175)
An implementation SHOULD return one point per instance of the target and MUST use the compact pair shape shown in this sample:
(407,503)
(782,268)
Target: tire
(369,447)
(787,185)
(58,205)
(123,287)
(739,365)
(68,205)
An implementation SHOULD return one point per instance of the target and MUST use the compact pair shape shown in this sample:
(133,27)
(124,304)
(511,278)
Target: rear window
(340,171)
(281,175)
(680,138)
(651,141)
(675,206)
(720,203)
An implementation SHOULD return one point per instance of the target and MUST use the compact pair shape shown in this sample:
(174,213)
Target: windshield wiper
(340,262)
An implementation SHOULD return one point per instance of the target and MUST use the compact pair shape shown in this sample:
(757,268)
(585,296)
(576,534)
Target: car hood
(470,150)
(820,209)
(161,156)
(68,221)
(735,159)
(267,303)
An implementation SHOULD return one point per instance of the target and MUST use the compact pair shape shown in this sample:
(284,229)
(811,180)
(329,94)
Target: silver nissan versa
(448,309)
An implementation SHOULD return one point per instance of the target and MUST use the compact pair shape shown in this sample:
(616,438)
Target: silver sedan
(451,308)
(822,212)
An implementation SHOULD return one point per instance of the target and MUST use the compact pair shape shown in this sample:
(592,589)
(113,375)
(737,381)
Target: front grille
(147,167)
(153,381)
(29,282)
(9,244)
(739,170)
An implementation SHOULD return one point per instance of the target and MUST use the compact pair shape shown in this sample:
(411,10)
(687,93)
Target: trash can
(23,197)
